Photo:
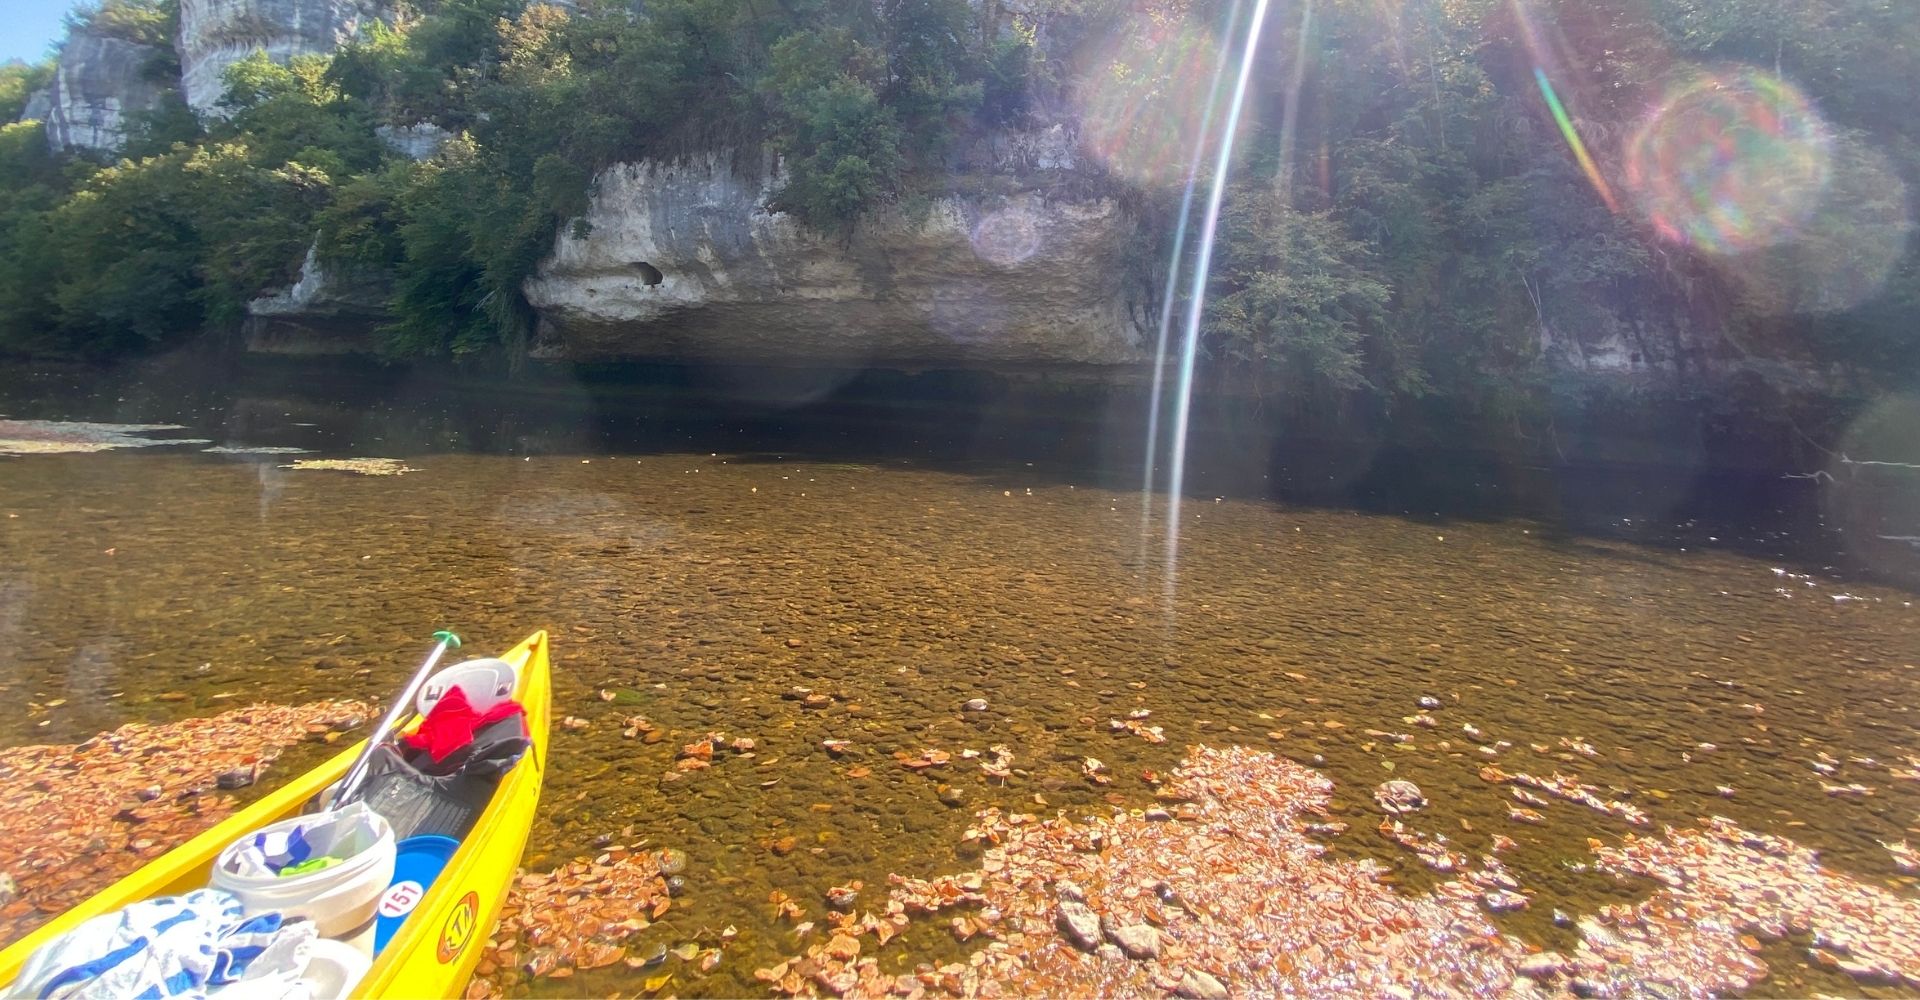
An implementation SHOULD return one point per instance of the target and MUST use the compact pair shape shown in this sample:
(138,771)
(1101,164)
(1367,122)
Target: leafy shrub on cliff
(1404,217)
(546,98)
(293,112)
(440,293)
(152,23)
(1293,292)
(31,187)
(18,81)
(863,104)
(149,251)
(843,153)
(143,22)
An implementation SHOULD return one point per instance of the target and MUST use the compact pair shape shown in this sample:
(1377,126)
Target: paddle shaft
(358,772)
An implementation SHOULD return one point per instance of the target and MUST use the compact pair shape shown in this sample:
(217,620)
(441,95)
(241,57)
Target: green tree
(18,81)
(294,112)
(1292,293)
(143,22)
(151,251)
(31,187)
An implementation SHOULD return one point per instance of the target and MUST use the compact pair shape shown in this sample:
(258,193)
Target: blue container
(417,862)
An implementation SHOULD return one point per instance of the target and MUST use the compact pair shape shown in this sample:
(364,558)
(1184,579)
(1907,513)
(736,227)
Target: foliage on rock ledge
(1405,218)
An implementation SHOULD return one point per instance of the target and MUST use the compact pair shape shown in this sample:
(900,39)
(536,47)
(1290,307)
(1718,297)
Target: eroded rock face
(98,84)
(326,311)
(687,261)
(215,34)
(39,105)
(418,141)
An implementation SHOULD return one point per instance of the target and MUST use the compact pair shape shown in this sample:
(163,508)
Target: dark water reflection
(902,560)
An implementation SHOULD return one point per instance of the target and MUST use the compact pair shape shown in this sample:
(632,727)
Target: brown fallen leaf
(598,954)
(843,947)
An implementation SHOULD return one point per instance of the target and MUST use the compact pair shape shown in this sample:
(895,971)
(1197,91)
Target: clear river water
(698,570)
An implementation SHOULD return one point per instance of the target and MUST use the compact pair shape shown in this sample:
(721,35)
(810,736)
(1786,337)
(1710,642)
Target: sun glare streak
(1537,47)
(1542,57)
(1580,153)
(1173,281)
(1290,115)
(1204,261)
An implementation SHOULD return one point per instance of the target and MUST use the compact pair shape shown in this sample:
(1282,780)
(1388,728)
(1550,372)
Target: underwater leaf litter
(766,673)
(78,817)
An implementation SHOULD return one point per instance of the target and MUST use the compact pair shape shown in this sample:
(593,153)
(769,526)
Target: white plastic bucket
(486,683)
(339,899)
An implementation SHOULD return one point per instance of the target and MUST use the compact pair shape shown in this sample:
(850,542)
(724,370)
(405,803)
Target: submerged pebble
(909,600)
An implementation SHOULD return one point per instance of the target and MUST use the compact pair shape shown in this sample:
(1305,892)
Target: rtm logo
(459,928)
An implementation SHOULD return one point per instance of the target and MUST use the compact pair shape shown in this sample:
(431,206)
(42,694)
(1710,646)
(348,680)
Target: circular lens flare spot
(1006,236)
(1844,255)
(1730,161)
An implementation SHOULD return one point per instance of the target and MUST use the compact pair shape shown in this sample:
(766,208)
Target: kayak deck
(435,950)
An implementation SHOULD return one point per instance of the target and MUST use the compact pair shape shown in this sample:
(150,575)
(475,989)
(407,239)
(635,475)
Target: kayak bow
(434,952)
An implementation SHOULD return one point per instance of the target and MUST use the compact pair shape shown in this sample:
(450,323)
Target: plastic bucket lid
(333,969)
(417,862)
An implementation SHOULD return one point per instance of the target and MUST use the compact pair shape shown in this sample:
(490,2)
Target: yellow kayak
(435,950)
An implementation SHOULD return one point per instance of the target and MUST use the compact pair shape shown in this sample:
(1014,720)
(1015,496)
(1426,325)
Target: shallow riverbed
(700,591)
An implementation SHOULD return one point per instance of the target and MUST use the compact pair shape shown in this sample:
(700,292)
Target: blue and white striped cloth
(174,946)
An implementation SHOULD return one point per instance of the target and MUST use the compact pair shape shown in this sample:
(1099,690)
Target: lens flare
(1139,94)
(1843,255)
(1534,39)
(1006,236)
(1730,161)
(1202,265)
(1171,295)
(1580,154)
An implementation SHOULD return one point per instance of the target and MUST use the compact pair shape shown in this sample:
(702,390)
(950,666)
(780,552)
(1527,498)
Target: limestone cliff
(687,260)
(327,311)
(39,105)
(215,34)
(99,83)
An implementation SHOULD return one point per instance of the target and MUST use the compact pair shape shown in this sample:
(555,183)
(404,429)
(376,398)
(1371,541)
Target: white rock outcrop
(99,83)
(326,311)
(686,260)
(39,105)
(215,34)
(419,141)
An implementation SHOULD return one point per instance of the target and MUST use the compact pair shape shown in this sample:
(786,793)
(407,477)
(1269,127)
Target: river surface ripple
(701,590)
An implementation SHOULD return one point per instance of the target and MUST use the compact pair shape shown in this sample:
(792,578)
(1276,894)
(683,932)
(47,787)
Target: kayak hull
(434,952)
